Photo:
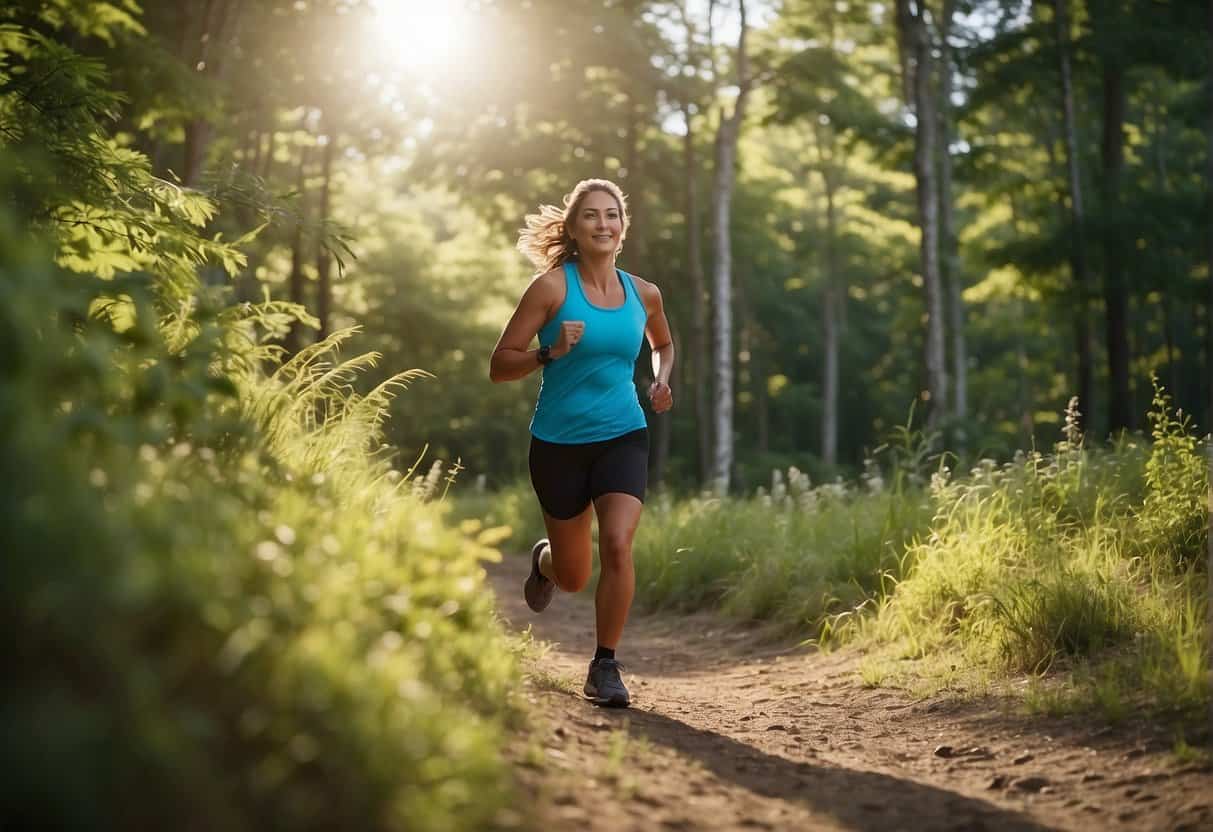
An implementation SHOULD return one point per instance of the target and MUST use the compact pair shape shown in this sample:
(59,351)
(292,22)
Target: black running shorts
(567,477)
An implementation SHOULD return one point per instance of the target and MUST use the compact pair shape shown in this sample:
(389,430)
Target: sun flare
(420,35)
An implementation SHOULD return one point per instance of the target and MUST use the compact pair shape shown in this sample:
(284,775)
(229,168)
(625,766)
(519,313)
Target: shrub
(213,626)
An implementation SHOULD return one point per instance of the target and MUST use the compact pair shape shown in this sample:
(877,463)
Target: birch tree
(914,41)
(724,179)
(697,362)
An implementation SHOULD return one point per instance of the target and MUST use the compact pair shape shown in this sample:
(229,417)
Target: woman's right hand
(570,335)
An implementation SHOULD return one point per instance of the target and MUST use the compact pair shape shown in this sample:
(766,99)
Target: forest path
(730,731)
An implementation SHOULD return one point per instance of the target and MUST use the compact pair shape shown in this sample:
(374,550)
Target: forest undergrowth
(1072,579)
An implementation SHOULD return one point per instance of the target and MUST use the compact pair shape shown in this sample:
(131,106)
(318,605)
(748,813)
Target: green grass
(793,556)
(1085,563)
(1083,569)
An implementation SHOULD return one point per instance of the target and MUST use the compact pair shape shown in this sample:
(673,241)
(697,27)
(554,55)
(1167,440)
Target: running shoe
(538,590)
(604,687)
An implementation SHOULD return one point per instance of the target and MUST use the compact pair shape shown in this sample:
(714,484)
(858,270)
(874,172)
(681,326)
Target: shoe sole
(607,702)
(537,578)
(614,702)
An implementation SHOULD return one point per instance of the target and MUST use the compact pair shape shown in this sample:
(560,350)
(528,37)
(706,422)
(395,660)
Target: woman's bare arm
(657,330)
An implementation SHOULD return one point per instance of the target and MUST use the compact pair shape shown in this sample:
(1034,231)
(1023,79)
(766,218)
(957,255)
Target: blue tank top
(588,395)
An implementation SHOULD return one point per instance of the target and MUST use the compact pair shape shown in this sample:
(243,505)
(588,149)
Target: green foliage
(433,288)
(508,517)
(90,18)
(1174,524)
(244,621)
(1037,564)
(794,555)
(225,604)
(98,199)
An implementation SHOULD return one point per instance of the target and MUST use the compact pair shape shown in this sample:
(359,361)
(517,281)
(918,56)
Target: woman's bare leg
(618,516)
(568,560)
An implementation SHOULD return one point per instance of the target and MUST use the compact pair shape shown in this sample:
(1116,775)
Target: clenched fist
(570,336)
(661,396)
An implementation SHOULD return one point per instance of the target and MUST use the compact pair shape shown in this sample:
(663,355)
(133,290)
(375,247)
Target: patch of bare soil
(730,731)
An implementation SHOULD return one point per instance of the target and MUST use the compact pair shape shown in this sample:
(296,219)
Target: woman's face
(597,225)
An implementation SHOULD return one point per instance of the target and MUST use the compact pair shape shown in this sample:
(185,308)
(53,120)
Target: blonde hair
(545,240)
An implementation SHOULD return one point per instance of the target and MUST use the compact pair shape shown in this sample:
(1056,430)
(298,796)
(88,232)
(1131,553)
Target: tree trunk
(634,162)
(762,400)
(1078,253)
(949,258)
(833,295)
(1168,333)
(722,196)
(722,298)
(267,160)
(1023,389)
(754,375)
(699,356)
(324,257)
(829,394)
(638,260)
(917,42)
(1026,421)
(1116,305)
(1208,373)
(1170,324)
(696,370)
(204,49)
(831,312)
(197,140)
(297,282)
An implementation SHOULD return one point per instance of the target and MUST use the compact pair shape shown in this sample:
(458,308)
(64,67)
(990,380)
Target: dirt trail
(726,735)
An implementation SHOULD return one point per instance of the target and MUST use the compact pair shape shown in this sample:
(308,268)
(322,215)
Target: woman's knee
(615,548)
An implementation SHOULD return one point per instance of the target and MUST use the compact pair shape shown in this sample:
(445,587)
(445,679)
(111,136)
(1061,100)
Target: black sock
(603,653)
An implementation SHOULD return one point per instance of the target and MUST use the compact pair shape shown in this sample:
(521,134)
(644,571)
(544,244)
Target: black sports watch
(545,355)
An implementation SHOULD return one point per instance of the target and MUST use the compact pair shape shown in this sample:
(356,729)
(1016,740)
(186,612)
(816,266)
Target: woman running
(589,443)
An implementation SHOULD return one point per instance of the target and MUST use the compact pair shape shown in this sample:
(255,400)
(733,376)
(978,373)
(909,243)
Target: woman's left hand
(661,396)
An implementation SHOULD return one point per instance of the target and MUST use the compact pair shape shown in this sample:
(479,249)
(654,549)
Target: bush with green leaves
(248,622)
(509,517)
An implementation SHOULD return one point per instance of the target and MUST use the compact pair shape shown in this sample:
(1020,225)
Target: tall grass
(1085,559)
(1082,564)
(792,555)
